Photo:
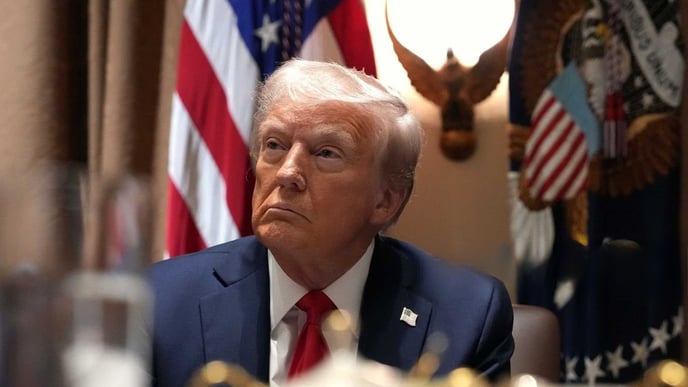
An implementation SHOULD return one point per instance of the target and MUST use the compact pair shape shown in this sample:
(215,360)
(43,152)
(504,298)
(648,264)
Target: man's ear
(388,204)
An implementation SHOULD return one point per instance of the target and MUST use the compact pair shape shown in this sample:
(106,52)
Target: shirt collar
(346,292)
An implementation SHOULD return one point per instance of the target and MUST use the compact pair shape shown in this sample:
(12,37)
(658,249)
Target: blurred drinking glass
(74,305)
(107,305)
(40,241)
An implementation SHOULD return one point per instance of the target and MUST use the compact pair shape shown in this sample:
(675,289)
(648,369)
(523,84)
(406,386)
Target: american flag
(226,48)
(565,133)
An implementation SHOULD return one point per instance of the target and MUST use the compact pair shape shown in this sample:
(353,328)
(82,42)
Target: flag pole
(683,9)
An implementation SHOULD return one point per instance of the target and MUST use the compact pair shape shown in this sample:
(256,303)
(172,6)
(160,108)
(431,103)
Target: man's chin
(277,235)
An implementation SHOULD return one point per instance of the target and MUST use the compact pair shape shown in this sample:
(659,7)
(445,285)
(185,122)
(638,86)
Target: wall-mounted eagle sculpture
(455,89)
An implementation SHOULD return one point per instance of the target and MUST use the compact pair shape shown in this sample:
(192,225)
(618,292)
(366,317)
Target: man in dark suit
(334,156)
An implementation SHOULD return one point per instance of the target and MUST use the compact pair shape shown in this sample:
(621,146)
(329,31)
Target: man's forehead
(325,119)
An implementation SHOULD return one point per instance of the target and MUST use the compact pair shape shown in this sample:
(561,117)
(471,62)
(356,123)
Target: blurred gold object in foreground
(666,373)
(426,366)
(217,372)
(465,377)
(526,380)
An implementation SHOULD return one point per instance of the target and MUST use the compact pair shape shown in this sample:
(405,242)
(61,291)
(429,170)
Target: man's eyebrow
(336,132)
(271,126)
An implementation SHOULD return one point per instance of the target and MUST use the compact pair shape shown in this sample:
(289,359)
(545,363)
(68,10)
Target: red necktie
(311,346)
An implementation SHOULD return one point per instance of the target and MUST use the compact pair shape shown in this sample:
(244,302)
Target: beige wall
(460,210)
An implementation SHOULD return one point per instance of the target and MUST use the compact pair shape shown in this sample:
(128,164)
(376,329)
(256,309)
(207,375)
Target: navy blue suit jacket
(214,305)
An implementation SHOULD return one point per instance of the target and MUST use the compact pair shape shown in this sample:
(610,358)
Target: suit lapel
(236,320)
(385,338)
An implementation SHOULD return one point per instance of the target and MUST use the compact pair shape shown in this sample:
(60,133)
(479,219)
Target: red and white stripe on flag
(210,178)
(556,160)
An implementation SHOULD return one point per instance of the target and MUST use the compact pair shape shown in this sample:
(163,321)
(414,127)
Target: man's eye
(272,144)
(327,153)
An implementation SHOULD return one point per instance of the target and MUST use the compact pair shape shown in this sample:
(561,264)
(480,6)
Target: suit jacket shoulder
(231,260)
(209,306)
(460,313)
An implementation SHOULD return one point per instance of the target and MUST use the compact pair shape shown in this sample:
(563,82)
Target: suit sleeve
(496,345)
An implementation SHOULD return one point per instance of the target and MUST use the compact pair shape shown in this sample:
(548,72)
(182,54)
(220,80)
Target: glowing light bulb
(430,27)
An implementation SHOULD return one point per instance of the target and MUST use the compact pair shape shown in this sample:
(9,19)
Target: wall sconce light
(458,85)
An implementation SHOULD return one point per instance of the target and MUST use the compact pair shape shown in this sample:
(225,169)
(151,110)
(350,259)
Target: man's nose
(291,172)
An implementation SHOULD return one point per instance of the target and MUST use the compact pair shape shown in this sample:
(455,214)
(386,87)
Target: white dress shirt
(286,319)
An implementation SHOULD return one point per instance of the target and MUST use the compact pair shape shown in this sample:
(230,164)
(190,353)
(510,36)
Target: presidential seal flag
(613,275)
(226,48)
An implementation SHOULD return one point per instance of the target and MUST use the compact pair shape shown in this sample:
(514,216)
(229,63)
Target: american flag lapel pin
(408,316)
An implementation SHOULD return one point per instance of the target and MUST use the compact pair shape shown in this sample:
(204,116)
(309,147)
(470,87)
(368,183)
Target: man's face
(318,189)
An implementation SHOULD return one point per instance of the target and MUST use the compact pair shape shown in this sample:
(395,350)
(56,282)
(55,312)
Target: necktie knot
(316,304)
